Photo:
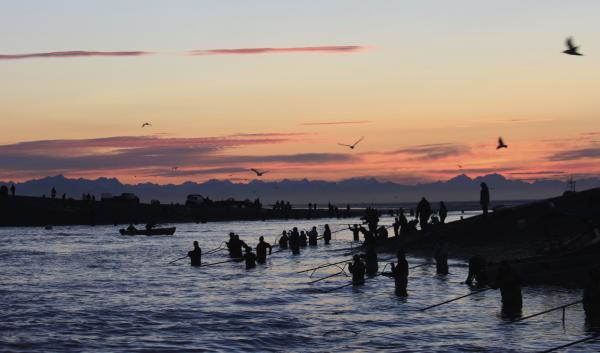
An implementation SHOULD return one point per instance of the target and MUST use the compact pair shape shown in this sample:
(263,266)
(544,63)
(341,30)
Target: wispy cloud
(434,151)
(72,54)
(355,122)
(253,51)
(576,154)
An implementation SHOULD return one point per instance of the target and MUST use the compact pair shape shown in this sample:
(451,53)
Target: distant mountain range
(459,188)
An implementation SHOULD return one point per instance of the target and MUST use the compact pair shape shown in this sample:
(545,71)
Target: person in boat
(357,269)
(250,258)
(150,225)
(283,241)
(484,198)
(477,271)
(327,234)
(295,242)
(131,228)
(313,235)
(400,274)
(443,212)
(195,255)
(423,213)
(261,250)
(509,283)
(371,261)
(355,232)
(591,298)
(441,259)
(303,239)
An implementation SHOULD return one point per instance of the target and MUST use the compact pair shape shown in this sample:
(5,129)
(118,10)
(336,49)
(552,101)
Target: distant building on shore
(124,198)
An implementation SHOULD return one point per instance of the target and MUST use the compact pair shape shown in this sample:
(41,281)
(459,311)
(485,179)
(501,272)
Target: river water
(89,289)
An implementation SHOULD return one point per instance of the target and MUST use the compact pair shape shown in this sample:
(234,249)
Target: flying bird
(258,172)
(572,48)
(501,144)
(352,145)
(146,124)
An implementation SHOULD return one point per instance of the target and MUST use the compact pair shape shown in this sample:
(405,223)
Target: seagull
(146,124)
(572,48)
(258,173)
(352,145)
(501,144)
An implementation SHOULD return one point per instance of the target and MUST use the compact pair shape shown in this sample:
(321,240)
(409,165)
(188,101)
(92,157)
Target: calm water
(89,289)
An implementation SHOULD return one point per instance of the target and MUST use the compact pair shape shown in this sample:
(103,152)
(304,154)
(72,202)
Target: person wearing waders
(591,298)
(283,241)
(355,232)
(303,239)
(400,274)
(327,234)
(509,283)
(313,235)
(195,255)
(261,250)
(250,258)
(295,243)
(357,269)
(441,260)
(477,271)
(371,261)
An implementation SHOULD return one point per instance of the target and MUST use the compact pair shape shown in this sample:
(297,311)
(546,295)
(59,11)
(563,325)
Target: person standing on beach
(443,212)
(12,189)
(195,255)
(484,198)
(423,213)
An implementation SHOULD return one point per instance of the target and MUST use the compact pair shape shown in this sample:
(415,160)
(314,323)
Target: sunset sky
(275,85)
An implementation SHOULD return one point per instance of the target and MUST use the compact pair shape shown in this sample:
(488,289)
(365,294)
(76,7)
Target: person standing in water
(423,213)
(283,241)
(371,261)
(295,242)
(327,234)
(250,258)
(357,269)
(441,259)
(261,250)
(195,255)
(400,274)
(303,239)
(355,232)
(509,283)
(313,236)
(443,212)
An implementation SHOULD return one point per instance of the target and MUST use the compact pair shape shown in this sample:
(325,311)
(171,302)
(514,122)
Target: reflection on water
(90,289)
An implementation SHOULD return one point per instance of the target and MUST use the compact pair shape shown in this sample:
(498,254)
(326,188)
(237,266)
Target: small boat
(153,231)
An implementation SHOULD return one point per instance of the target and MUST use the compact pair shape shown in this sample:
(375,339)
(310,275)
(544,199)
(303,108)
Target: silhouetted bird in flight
(258,173)
(146,124)
(572,48)
(352,145)
(501,144)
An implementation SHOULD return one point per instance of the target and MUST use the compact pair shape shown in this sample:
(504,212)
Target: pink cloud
(72,54)
(251,51)
(356,122)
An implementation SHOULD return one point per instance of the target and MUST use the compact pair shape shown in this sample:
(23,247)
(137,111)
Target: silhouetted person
(484,198)
(4,191)
(12,189)
(250,258)
(403,222)
(371,217)
(261,250)
(295,241)
(591,298)
(400,274)
(396,226)
(371,261)
(357,269)
(234,245)
(195,255)
(303,238)
(283,241)
(509,283)
(441,260)
(443,212)
(53,193)
(327,234)
(477,271)
(313,235)
(355,232)
(131,228)
(423,213)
